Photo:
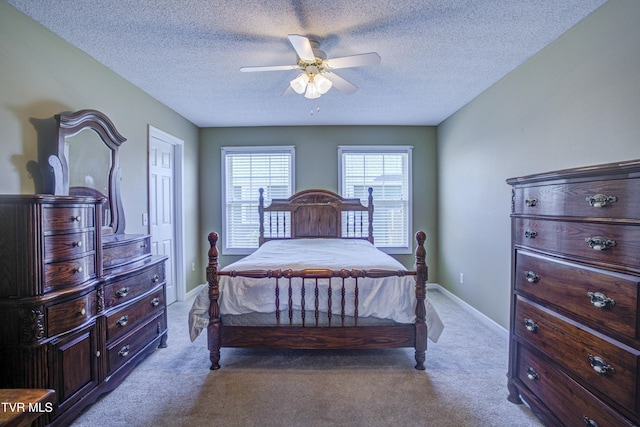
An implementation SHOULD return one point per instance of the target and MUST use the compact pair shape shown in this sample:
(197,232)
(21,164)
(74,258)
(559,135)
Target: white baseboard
(487,321)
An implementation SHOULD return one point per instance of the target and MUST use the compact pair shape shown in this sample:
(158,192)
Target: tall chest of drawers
(574,352)
(78,310)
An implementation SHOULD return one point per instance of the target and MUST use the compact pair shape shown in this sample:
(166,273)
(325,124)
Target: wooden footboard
(309,335)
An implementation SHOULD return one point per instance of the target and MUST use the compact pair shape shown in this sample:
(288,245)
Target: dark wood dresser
(78,309)
(574,353)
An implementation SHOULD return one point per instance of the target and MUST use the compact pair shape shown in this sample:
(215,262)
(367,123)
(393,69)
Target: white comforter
(387,298)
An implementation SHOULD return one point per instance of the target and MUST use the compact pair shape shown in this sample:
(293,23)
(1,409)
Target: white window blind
(244,171)
(386,169)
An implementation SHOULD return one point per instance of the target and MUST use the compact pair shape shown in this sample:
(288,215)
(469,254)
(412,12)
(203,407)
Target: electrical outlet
(145,218)
(461,278)
(193,266)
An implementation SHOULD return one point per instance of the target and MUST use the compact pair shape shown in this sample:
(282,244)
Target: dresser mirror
(83,161)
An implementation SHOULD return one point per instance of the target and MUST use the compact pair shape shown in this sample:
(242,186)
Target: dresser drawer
(65,246)
(131,344)
(593,199)
(607,366)
(117,253)
(124,319)
(70,272)
(70,314)
(68,218)
(606,299)
(566,399)
(133,286)
(607,243)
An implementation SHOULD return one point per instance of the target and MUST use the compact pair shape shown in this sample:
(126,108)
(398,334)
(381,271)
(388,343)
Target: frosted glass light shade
(322,83)
(299,84)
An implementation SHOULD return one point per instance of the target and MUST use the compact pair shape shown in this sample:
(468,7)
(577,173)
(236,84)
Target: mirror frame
(70,124)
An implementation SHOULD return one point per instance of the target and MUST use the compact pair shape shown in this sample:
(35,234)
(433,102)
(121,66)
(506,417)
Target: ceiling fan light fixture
(323,84)
(299,84)
(312,91)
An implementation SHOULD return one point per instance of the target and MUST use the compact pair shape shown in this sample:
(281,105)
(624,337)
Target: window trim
(224,151)
(403,149)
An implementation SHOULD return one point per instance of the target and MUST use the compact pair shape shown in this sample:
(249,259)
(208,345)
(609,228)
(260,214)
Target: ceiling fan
(317,76)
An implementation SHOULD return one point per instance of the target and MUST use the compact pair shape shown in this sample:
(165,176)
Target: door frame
(178,206)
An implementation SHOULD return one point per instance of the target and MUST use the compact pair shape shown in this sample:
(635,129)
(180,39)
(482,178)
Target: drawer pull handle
(155,278)
(531,326)
(124,351)
(589,422)
(600,300)
(155,302)
(600,366)
(531,277)
(531,202)
(76,218)
(98,353)
(532,374)
(600,243)
(144,245)
(78,270)
(83,311)
(601,200)
(122,292)
(123,321)
(77,244)
(530,234)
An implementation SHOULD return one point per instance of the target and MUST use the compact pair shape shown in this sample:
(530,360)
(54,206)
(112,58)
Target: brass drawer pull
(600,366)
(531,276)
(122,292)
(531,325)
(155,278)
(601,200)
(589,422)
(155,302)
(530,234)
(600,300)
(600,243)
(531,202)
(532,374)
(124,351)
(123,320)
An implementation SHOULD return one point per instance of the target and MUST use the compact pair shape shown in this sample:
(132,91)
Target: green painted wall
(575,103)
(42,75)
(317,167)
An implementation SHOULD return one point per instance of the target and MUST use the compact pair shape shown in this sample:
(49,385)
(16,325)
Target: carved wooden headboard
(315,213)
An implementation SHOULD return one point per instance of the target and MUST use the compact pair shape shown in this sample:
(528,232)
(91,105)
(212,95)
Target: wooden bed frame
(316,214)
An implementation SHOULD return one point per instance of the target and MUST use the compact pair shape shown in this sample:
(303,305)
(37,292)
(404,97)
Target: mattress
(388,299)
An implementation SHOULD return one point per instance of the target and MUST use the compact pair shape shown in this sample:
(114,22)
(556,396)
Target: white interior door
(163,220)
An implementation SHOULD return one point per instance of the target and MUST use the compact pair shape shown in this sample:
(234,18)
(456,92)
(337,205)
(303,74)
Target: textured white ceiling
(437,55)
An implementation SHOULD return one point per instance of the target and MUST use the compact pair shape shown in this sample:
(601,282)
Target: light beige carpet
(464,384)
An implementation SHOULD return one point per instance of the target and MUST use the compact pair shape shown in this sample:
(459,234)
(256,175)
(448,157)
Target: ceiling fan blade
(288,91)
(302,47)
(341,84)
(269,68)
(361,60)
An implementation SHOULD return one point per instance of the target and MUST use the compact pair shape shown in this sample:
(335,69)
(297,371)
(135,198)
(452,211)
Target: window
(244,171)
(386,169)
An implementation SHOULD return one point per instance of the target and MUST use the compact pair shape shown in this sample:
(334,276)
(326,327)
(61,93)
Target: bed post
(370,230)
(261,215)
(213,329)
(421,293)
